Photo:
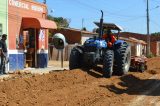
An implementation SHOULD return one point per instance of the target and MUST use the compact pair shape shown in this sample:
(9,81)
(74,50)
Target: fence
(55,54)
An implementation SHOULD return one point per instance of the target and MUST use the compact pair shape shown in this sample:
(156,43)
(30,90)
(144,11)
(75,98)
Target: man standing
(4,57)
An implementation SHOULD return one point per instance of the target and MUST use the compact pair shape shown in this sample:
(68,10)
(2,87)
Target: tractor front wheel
(75,60)
(108,63)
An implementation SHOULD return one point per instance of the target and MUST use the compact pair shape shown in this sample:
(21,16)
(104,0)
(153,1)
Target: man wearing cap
(4,52)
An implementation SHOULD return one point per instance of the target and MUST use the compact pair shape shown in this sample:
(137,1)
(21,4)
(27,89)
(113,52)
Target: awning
(28,22)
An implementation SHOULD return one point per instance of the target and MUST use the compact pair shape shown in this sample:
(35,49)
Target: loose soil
(81,88)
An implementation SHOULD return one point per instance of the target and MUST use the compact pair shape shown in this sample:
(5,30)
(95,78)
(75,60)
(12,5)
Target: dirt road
(81,88)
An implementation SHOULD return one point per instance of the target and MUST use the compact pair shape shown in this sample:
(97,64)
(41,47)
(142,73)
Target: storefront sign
(26,6)
(42,35)
(21,39)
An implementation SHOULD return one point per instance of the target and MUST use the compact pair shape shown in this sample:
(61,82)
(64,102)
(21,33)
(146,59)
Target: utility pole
(82,23)
(148,35)
(44,1)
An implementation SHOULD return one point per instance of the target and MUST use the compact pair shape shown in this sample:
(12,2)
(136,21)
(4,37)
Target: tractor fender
(119,42)
(80,49)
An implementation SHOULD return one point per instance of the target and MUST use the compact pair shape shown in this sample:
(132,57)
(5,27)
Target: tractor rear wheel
(108,63)
(122,58)
(75,60)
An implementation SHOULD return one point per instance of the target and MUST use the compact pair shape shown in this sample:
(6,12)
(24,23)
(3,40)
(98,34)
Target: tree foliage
(60,21)
(84,29)
(95,30)
(155,34)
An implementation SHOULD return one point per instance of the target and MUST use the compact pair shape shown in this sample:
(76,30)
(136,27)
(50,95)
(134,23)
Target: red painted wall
(153,48)
(72,36)
(18,9)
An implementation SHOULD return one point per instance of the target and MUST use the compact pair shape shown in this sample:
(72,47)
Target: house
(73,36)
(25,23)
(154,41)
(138,47)
(3,17)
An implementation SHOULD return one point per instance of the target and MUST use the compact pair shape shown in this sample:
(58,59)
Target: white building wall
(140,49)
(158,48)
(85,37)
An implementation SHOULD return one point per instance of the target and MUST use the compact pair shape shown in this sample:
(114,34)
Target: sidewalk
(44,70)
(53,66)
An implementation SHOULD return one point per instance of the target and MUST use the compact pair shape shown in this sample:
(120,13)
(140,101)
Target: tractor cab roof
(111,26)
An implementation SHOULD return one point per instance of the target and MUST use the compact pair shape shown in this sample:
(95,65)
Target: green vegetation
(60,21)
(151,55)
(84,29)
(155,34)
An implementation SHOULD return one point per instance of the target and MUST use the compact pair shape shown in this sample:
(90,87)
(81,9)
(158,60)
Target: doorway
(30,47)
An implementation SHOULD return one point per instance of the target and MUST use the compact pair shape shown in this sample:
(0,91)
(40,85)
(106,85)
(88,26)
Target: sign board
(25,5)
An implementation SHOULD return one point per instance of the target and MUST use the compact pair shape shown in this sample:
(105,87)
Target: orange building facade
(28,34)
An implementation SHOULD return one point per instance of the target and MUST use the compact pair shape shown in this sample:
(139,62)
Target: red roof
(139,36)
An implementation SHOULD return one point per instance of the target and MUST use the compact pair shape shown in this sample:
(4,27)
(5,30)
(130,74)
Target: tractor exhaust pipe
(101,26)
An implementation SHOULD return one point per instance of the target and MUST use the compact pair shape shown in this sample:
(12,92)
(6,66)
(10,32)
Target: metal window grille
(1,29)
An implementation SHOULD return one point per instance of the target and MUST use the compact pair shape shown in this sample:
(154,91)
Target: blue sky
(130,14)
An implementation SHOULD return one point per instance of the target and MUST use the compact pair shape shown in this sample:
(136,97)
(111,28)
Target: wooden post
(62,58)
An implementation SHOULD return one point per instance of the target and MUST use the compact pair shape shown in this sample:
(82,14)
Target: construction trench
(81,88)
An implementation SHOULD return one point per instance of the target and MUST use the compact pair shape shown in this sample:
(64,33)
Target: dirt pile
(154,65)
(74,87)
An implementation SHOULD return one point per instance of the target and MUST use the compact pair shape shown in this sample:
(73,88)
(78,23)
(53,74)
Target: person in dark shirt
(4,57)
(4,45)
(109,37)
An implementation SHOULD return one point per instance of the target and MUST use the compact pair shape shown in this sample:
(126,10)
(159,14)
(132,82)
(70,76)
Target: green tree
(84,29)
(155,34)
(60,21)
(95,30)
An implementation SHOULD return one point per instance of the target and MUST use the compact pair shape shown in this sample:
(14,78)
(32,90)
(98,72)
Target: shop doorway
(30,47)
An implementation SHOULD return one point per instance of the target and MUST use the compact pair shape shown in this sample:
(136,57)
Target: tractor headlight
(86,42)
(95,43)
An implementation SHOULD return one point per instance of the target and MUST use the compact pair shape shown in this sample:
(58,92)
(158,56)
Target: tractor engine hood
(98,43)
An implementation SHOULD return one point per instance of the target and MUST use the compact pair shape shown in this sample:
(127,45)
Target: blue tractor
(95,51)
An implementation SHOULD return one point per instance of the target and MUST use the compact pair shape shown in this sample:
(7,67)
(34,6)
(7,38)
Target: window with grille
(0,29)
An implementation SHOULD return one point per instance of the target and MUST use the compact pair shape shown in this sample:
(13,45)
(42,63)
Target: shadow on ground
(95,72)
(132,85)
